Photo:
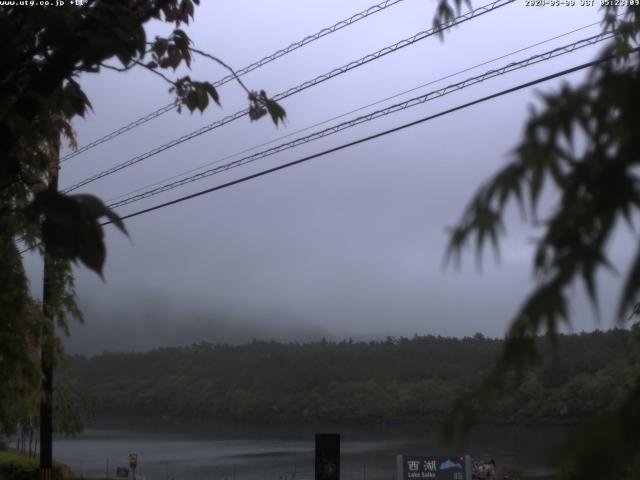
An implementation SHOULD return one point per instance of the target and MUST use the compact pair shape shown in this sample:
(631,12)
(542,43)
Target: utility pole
(46,354)
(327,456)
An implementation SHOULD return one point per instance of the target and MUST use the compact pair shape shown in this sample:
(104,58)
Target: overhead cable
(303,86)
(249,68)
(513,66)
(368,138)
(113,200)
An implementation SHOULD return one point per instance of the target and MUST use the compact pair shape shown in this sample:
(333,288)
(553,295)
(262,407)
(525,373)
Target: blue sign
(455,467)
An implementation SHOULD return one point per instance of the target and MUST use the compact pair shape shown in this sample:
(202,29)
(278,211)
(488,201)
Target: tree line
(393,380)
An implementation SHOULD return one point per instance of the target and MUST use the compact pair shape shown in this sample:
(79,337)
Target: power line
(364,139)
(369,138)
(116,133)
(249,68)
(513,66)
(112,200)
(321,78)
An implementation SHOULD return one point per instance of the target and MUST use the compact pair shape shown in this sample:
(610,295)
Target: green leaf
(76,98)
(92,251)
(203,99)
(211,90)
(191,100)
(93,208)
(630,289)
(160,46)
(71,228)
(277,113)
(256,112)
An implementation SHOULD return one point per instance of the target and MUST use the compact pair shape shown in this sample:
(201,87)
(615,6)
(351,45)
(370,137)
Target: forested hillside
(395,380)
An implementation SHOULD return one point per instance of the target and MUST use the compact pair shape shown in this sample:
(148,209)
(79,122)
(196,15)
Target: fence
(200,470)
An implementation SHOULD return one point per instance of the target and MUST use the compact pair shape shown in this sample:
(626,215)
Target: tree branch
(220,62)
(153,70)
(117,69)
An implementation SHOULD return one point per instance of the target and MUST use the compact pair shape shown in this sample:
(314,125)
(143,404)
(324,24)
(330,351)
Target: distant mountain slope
(398,379)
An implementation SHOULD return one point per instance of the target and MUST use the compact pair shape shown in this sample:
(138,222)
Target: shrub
(14,466)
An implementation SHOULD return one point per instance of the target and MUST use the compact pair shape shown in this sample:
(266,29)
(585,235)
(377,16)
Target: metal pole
(166,470)
(399,467)
(107,469)
(46,359)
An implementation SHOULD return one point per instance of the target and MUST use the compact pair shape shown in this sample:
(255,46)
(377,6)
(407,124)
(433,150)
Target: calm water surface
(187,450)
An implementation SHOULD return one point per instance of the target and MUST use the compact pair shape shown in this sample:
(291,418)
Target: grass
(18,458)
(19,464)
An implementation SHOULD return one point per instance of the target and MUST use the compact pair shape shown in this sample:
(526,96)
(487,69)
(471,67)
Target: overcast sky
(349,244)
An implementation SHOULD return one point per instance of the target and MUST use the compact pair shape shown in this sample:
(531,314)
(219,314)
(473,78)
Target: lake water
(187,450)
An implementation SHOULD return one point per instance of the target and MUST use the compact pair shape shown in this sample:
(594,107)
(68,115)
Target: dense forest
(396,380)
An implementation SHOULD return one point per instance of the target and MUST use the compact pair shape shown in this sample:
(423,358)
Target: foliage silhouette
(45,50)
(397,380)
(583,145)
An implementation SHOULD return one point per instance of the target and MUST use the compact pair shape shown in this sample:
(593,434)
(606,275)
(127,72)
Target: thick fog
(350,244)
